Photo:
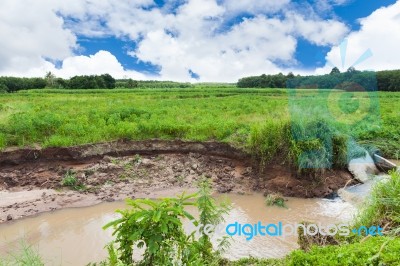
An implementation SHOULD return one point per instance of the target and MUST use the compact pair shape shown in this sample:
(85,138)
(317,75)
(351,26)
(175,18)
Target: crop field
(242,117)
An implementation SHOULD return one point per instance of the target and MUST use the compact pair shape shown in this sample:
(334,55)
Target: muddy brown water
(75,236)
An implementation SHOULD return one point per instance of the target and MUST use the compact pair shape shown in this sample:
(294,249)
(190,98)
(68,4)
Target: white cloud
(29,32)
(379,33)
(251,47)
(255,7)
(100,63)
(196,36)
(317,31)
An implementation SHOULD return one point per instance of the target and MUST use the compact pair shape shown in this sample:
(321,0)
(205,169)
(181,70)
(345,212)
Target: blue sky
(195,40)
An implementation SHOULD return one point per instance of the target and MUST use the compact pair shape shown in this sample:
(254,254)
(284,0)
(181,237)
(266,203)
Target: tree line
(13,84)
(105,81)
(351,80)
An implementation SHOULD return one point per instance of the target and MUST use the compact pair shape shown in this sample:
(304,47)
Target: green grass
(26,256)
(238,116)
(70,180)
(373,251)
(383,207)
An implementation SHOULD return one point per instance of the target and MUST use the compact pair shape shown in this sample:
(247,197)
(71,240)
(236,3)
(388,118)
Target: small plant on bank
(137,159)
(275,200)
(70,180)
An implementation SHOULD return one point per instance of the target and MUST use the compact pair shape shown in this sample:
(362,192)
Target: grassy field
(243,117)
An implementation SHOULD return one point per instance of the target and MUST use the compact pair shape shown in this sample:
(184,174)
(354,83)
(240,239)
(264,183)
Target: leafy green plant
(157,226)
(275,200)
(70,180)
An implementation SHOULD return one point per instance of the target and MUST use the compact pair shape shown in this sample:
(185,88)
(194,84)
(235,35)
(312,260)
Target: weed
(128,166)
(137,159)
(26,256)
(70,180)
(115,161)
(275,200)
(123,177)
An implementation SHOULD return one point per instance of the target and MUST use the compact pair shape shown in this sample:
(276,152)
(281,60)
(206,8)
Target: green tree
(132,84)
(335,70)
(50,79)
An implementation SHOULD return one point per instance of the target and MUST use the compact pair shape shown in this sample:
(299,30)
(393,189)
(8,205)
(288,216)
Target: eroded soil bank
(34,180)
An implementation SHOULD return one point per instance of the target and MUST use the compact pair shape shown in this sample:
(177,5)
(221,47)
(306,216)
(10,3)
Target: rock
(384,164)
(194,166)
(9,217)
(363,168)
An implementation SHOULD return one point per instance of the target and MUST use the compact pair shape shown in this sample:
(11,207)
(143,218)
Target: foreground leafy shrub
(156,226)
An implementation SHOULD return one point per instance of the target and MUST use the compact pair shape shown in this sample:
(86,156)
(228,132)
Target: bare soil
(34,180)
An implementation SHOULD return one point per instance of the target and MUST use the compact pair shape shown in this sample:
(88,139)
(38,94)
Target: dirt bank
(38,180)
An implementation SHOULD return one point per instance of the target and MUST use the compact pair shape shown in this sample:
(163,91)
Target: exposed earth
(38,180)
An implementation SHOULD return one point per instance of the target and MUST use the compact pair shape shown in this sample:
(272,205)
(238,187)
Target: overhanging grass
(310,145)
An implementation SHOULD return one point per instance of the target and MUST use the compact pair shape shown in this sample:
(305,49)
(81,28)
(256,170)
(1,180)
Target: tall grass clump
(383,207)
(308,146)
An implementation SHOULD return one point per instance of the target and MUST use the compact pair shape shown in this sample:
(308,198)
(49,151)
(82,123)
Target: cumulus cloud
(255,7)
(101,62)
(380,34)
(192,36)
(30,32)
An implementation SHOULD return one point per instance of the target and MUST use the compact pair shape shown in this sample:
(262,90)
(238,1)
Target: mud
(35,180)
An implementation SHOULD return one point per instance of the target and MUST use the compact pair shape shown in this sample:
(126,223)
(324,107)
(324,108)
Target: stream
(75,236)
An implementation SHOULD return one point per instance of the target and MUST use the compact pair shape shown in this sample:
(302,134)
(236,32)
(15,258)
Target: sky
(196,40)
